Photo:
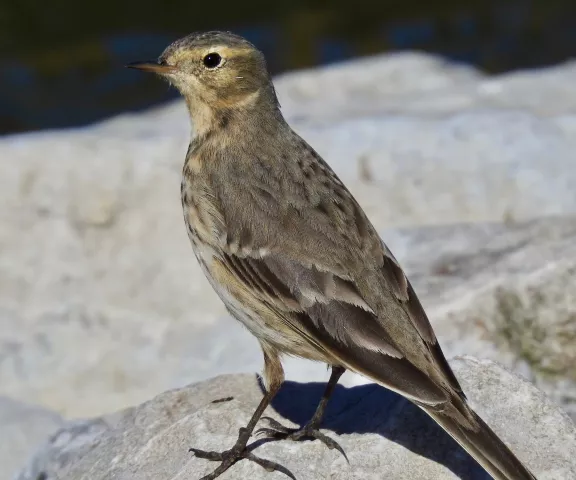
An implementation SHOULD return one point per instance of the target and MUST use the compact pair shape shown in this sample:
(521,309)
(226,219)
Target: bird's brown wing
(293,227)
(328,313)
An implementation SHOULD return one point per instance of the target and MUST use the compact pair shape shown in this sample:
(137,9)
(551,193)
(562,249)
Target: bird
(295,259)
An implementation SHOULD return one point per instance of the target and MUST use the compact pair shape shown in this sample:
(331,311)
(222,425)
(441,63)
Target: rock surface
(102,304)
(423,85)
(501,292)
(22,428)
(384,435)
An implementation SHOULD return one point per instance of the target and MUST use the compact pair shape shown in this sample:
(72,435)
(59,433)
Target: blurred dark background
(62,61)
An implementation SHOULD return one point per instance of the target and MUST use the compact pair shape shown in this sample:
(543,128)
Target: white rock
(384,435)
(23,427)
(423,85)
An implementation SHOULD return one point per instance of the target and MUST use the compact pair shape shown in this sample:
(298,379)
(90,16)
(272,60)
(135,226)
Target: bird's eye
(212,60)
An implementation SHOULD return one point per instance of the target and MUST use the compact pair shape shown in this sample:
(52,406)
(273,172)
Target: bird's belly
(273,334)
(267,328)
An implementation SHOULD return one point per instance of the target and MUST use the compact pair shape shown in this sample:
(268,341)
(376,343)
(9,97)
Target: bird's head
(215,71)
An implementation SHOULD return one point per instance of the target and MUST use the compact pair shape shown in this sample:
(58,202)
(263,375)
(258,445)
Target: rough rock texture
(22,428)
(384,435)
(102,304)
(501,292)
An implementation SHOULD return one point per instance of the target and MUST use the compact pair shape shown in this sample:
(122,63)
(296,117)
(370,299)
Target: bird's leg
(274,375)
(311,429)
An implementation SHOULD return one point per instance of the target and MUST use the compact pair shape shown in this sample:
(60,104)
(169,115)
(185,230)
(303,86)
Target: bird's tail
(478,439)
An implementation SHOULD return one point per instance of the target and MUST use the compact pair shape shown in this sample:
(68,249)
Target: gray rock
(23,427)
(502,292)
(384,435)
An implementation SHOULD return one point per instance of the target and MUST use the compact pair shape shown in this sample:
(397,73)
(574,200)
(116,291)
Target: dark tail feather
(480,442)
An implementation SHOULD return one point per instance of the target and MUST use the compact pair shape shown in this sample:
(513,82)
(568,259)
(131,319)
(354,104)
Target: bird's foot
(238,452)
(309,432)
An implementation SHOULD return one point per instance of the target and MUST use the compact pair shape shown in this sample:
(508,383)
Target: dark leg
(335,375)
(310,430)
(274,375)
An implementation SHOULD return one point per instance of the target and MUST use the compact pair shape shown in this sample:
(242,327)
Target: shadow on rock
(373,409)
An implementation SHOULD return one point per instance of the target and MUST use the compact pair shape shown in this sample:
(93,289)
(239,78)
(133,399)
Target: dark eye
(212,60)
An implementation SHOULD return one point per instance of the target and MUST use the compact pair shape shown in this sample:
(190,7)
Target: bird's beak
(152,66)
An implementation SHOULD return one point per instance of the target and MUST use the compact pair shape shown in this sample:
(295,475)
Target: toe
(271,433)
(270,465)
(214,456)
(329,442)
(277,425)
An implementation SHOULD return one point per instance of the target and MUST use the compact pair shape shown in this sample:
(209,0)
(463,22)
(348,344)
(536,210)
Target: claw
(214,456)
(230,457)
(278,426)
(269,432)
(329,442)
(279,432)
(270,465)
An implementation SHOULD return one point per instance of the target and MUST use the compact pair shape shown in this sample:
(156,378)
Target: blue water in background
(77,93)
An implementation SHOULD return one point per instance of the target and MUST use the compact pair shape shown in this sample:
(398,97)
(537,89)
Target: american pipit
(295,259)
